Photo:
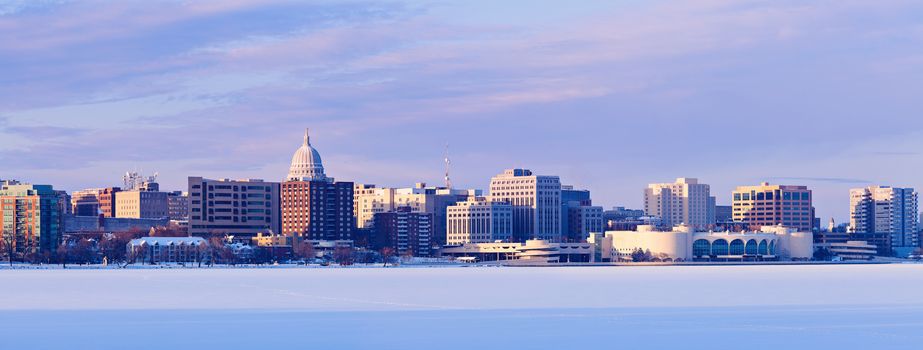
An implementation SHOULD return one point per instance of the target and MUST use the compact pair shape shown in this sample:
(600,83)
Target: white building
(479,220)
(854,250)
(166,249)
(685,201)
(684,244)
(884,209)
(531,252)
(536,202)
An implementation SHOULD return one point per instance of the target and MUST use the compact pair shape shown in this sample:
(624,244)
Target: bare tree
(343,255)
(304,250)
(8,244)
(63,254)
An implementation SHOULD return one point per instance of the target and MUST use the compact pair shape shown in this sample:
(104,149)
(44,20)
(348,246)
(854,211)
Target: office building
(86,202)
(479,220)
(107,201)
(770,205)
(685,202)
(409,233)
(178,205)
(371,200)
(579,217)
(31,215)
(238,208)
(884,209)
(536,202)
(143,202)
(314,206)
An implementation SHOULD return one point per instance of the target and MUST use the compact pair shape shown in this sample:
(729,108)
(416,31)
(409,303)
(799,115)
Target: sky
(610,95)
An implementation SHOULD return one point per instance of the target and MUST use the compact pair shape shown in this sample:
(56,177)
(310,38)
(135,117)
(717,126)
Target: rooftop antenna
(448,180)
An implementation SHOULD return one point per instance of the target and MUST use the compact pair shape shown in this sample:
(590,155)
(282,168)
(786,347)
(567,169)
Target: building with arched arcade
(684,244)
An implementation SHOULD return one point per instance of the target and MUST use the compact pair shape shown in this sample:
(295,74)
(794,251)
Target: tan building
(684,202)
(141,204)
(770,205)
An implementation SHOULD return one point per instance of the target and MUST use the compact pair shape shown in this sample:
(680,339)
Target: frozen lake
(691,307)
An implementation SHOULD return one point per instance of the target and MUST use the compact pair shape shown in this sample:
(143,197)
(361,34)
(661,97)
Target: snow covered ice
(690,307)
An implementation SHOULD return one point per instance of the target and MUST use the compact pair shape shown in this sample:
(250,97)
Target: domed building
(306,163)
(314,206)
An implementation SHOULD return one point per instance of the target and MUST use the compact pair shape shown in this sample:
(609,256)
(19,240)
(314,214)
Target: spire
(307,139)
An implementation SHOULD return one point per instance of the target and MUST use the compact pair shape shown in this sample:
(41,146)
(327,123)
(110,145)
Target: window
(752,247)
(701,248)
(737,247)
(719,247)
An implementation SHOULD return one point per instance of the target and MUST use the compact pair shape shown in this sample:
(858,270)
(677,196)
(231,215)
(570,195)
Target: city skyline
(733,93)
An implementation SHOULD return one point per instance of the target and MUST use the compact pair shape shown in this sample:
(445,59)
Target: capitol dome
(306,163)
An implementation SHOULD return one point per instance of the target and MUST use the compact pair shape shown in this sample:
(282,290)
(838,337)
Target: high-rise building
(143,202)
(685,202)
(239,208)
(770,205)
(579,217)
(31,215)
(178,205)
(884,209)
(536,202)
(371,200)
(408,232)
(479,220)
(314,206)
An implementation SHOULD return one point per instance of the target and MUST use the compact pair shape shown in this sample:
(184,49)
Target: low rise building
(854,250)
(479,220)
(154,250)
(90,225)
(531,252)
(685,244)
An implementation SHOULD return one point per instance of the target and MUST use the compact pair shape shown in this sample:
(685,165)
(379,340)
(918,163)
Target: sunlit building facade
(770,205)
(536,202)
(685,201)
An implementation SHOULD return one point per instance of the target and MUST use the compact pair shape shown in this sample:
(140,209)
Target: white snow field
(668,307)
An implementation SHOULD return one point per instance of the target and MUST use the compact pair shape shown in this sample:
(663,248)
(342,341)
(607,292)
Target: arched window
(719,247)
(737,247)
(752,247)
(701,248)
(764,248)
(772,247)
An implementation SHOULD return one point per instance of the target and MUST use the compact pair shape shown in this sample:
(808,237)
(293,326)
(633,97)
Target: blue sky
(611,95)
